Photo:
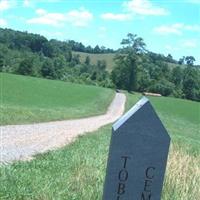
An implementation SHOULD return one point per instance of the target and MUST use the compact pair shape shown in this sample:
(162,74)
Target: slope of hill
(181,118)
(26,99)
(108,57)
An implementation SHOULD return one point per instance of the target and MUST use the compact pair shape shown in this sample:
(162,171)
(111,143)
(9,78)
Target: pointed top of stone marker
(128,114)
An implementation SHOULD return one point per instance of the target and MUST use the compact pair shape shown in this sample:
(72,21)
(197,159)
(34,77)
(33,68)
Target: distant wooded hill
(126,68)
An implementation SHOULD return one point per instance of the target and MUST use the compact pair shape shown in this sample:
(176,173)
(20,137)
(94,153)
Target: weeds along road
(21,142)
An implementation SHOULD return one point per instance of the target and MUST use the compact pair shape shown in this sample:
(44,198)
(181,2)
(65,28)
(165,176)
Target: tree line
(136,68)
(32,54)
(78,46)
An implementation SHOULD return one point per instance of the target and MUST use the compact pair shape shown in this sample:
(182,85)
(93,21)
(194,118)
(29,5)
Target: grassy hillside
(26,99)
(108,57)
(77,171)
(182,118)
(95,57)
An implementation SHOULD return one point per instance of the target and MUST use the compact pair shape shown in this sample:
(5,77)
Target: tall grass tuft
(182,176)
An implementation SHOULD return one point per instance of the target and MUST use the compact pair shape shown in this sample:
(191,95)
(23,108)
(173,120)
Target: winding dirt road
(21,142)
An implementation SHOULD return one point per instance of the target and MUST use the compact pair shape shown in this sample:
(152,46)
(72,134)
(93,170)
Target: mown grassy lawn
(76,172)
(182,119)
(26,100)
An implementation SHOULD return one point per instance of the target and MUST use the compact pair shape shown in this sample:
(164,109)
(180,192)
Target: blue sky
(167,26)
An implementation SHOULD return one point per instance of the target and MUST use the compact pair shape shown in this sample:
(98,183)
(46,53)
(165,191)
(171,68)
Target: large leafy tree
(125,73)
(191,83)
(177,76)
(134,44)
(26,67)
(48,70)
(190,60)
(163,87)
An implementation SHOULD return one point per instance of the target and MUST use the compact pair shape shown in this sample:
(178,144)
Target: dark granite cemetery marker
(138,155)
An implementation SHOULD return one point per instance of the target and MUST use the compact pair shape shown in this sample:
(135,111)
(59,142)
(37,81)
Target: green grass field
(76,172)
(95,57)
(182,118)
(27,99)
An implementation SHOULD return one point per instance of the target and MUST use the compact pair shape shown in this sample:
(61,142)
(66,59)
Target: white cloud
(171,48)
(176,29)
(144,7)
(102,32)
(41,11)
(26,3)
(117,17)
(32,3)
(169,29)
(192,28)
(80,18)
(50,35)
(194,1)
(102,29)
(49,1)
(4,5)
(135,8)
(54,19)
(189,43)
(3,22)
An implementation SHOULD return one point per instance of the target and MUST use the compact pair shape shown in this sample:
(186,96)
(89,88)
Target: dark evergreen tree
(48,70)
(181,60)
(87,60)
(26,67)
(177,76)
(191,83)
(1,63)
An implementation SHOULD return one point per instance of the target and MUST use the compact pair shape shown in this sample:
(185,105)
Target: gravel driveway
(21,142)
